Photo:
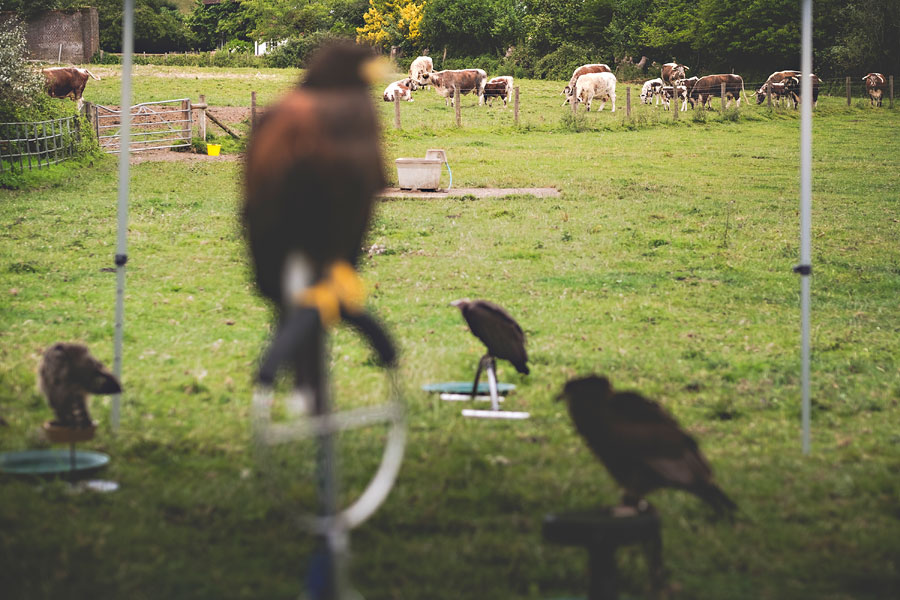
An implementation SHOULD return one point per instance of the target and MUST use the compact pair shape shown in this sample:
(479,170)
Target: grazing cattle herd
(588,82)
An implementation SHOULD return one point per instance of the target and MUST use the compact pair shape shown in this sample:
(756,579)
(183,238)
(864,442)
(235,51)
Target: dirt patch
(180,157)
(229,114)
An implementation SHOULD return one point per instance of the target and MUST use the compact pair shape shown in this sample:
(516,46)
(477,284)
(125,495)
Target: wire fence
(38,144)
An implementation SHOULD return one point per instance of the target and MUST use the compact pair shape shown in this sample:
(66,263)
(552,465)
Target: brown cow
(496,89)
(776,77)
(711,85)
(792,89)
(582,70)
(671,72)
(467,80)
(876,86)
(62,82)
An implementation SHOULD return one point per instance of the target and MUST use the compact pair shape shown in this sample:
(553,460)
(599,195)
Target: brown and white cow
(651,89)
(776,77)
(582,70)
(688,85)
(876,87)
(671,72)
(596,85)
(467,80)
(64,82)
(711,86)
(792,88)
(498,87)
(401,89)
(420,70)
(677,93)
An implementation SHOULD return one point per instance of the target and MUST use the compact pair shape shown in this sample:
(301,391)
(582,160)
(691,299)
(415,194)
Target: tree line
(538,38)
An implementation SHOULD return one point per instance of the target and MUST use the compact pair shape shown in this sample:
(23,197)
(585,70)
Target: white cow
(651,90)
(596,85)
(402,89)
(420,70)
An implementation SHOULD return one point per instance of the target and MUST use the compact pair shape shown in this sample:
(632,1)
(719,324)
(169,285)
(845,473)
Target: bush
(21,86)
(295,51)
(560,63)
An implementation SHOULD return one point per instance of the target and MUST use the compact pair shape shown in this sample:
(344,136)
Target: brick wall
(77,31)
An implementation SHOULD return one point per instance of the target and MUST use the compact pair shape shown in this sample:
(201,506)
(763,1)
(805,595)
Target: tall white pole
(124,158)
(805,266)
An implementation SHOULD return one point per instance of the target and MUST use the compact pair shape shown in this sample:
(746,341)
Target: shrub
(560,63)
(21,86)
(295,51)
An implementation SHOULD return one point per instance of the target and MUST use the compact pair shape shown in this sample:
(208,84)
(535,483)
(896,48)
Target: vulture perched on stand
(640,444)
(68,373)
(498,331)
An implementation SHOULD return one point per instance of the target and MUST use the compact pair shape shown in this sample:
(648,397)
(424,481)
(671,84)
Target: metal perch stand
(301,339)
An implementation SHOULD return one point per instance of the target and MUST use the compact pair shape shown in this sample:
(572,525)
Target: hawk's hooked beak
(375,69)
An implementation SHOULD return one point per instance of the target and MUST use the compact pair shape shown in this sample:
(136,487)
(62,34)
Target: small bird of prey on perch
(640,444)
(67,374)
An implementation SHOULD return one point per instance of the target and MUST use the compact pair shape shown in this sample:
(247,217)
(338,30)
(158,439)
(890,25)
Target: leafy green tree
(213,25)
(472,27)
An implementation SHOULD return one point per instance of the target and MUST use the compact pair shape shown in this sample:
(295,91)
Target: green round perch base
(51,462)
(465,387)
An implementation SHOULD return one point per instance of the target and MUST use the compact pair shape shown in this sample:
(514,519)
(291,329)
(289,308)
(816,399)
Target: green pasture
(665,264)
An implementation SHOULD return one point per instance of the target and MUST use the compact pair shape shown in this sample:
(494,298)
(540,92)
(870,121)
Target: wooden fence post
(458,109)
(396,110)
(252,110)
(628,101)
(769,93)
(573,102)
(516,100)
(674,102)
(723,96)
(891,80)
(848,91)
(201,122)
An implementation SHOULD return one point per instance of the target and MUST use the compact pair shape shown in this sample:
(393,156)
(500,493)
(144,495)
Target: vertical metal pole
(891,80)
(805,266)
(124,174)
(492,384)
(516,101)
(396,110)
(46,141)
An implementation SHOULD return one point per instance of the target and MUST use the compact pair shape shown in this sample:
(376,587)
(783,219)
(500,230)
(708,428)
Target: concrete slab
(397,193)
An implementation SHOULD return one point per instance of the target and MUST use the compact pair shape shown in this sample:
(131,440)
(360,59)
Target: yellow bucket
(213,149)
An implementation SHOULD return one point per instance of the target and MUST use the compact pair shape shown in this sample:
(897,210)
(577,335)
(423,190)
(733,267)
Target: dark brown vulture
(68,373)
(498,331)
(640,444)
(313,168)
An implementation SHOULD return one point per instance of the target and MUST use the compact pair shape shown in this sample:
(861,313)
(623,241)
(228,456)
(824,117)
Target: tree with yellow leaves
(392,23)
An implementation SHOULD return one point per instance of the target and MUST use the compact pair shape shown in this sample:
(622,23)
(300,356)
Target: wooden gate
(154,125)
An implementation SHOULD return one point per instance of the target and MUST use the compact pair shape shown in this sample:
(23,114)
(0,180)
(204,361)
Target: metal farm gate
(154,125)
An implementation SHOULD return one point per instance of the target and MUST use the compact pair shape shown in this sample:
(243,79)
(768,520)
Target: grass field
(666,264)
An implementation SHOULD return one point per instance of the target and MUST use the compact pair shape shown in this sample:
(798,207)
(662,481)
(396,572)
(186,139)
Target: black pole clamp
(121,259)
(803,269)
